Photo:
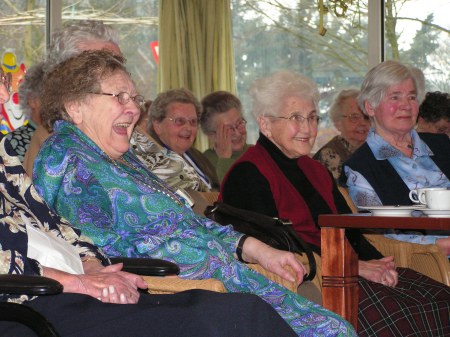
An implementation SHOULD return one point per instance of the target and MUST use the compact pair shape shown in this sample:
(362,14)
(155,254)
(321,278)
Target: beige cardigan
(39,136)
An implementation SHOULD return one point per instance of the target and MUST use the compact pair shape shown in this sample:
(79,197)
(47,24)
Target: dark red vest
(288,201)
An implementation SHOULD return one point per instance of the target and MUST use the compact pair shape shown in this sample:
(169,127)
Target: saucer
(437,213)
(394,210)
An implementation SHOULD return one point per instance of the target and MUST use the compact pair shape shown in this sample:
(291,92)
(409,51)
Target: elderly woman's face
(232,125)
(398,110)
(293,138)
(353,124)
(178,129)
(106,121)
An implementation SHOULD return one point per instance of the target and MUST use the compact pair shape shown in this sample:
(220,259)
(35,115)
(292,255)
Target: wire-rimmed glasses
(313,120)
(239,126)
(124,97)
(181,121)
(356,117)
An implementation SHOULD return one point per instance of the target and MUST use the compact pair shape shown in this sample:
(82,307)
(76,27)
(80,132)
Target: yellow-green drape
(196,48)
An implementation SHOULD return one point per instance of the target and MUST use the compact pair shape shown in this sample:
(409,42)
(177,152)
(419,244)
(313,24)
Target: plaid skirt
(417,307)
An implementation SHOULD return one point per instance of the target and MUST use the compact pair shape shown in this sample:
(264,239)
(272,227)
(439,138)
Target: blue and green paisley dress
(128,211)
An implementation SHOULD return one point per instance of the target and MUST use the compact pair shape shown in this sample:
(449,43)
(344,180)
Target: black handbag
(275,232)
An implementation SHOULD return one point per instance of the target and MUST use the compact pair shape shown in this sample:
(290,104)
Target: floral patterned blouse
(20,138)
(334,154)
(166,164)
(19,199)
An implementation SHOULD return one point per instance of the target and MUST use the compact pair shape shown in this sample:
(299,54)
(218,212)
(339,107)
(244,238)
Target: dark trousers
(191,313)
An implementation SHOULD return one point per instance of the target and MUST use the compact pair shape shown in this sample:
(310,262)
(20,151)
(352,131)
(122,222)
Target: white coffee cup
(438,199)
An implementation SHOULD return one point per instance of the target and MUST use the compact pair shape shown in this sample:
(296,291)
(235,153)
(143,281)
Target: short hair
(269,92)
(381,77)
(159,108)
(336,109)
(216,103)
(74,80)
(65,42)
(31,86)
(435,107)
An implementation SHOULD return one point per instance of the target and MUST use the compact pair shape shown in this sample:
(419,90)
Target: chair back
(347,198)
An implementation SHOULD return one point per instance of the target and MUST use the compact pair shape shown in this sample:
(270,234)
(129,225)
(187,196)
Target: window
(23,29)
(270,35)
(418,33)
(23,39)
(23,26)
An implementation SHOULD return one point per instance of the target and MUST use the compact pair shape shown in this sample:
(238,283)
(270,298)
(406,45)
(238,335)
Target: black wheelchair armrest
(147,266)
(29,285)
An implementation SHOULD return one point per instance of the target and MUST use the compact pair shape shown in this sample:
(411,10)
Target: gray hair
(31,87)
(216,103)
(381,77)
(160,106)
(269,92)
(74,79)
(336,108)
(66,42)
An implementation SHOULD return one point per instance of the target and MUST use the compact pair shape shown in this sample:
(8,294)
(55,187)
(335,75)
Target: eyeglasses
(181,121)
(313,120)
(124,98)
(239,126)
(355,118)
(6,80)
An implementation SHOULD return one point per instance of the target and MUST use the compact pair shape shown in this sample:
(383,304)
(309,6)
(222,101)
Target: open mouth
(185,136)
(301,139)
(121,128)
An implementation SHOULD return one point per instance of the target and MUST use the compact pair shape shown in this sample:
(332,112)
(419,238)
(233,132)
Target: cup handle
(422,198)
(414,196)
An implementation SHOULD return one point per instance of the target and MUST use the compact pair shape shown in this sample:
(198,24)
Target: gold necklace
(161,188)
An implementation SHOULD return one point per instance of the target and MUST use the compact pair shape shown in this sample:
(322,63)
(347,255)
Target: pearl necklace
(160,187)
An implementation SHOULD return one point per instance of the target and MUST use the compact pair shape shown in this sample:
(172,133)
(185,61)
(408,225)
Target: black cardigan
(382,176)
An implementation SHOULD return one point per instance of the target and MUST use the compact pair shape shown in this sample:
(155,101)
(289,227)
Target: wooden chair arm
(175,284)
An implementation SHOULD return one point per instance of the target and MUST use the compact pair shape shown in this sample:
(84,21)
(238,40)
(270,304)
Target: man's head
(76,37)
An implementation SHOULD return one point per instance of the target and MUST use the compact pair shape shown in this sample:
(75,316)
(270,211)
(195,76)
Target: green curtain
(196,48)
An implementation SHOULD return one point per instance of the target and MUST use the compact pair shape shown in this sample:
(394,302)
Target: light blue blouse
(419,171)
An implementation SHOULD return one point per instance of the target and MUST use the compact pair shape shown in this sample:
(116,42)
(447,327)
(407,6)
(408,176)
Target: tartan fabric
(417,307)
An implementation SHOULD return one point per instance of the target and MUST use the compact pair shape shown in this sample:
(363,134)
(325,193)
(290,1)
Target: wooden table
(340,262)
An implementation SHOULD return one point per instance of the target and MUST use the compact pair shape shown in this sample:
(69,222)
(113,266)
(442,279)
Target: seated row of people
(121,196)
(108,219)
